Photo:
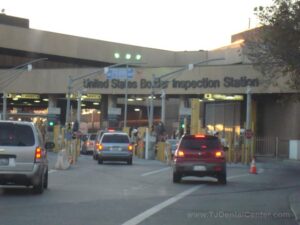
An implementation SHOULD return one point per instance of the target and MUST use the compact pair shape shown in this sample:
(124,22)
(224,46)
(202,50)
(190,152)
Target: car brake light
(100,147)
(130,147)
(219,154)
(199,136)
(179,153)
(38,154)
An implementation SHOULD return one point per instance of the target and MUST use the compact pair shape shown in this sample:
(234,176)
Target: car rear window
(16,135)
(93,137)
(115,138)
(193,143)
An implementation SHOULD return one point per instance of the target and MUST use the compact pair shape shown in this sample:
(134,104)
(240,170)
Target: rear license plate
(116,149)
(4,162)
(199,168)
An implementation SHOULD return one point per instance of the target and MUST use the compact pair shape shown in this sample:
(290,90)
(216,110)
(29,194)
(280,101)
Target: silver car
(115,146)
(23,155)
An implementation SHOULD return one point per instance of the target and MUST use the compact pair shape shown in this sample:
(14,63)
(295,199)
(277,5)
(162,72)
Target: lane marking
(261,170)
(155,171)
(52,171)
(155,209)
(146,214)
(237,176)
(294,212)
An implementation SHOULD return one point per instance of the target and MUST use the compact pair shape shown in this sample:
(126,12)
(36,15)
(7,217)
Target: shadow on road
(16,191)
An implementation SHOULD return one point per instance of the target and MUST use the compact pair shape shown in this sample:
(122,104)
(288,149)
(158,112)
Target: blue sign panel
(120,73)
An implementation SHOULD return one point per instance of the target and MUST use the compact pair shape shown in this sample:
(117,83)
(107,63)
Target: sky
(177,25)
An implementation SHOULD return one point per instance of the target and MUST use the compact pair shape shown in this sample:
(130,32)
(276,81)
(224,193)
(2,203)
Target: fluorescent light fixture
(229,98)
(95,103)
(137,110)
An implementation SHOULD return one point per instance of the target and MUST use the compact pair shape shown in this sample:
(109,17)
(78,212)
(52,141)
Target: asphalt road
(116,193)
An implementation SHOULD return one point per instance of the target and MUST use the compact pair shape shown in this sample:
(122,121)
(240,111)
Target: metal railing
(271,147)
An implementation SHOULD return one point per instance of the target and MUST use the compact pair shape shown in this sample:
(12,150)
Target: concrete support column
(195,116)
(111,101)
(52,101)
(104,112)
(113,115)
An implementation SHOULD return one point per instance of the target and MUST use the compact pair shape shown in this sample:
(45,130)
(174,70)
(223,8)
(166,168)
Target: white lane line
(237,176)
(155,209)
(141,217)
(52,171)
(155,171)
(261,170)
(294,212)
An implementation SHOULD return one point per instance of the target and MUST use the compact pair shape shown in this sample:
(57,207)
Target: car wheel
(176,177)
(100,161)
(129,161)
(95,157)
(46,180)
(39,187)
(222,179)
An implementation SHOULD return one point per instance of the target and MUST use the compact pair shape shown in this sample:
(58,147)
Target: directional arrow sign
(119,73)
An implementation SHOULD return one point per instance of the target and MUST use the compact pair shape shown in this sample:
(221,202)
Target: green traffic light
(182,125)
(51,123)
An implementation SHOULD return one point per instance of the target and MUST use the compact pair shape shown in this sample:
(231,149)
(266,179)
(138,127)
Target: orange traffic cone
(253,167)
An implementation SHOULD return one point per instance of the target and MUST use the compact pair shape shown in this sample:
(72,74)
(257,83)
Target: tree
(274,48)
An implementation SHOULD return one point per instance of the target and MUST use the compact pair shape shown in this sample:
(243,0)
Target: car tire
(95,157)
(46,180)
(39,187)
(222,179)
(100,161)
(129,161)
(176,177)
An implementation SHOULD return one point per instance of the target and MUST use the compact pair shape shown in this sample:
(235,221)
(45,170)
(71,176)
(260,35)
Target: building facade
(88,70)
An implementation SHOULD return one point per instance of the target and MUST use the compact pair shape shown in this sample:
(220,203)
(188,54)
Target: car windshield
(115,138)
(16,135)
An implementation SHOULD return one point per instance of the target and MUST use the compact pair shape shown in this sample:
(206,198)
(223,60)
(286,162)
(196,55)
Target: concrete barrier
(62,162)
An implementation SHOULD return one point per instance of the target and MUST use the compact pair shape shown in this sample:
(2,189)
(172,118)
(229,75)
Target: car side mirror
(49,145)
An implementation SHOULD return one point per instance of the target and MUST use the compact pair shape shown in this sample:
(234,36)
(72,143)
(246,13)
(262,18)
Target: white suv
(23,155)
(115,146)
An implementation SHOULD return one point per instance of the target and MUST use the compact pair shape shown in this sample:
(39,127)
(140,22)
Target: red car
(199,155)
